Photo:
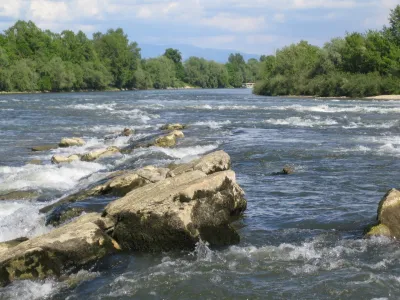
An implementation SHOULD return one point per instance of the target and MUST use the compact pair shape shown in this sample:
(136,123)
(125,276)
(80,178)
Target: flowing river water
(301,236)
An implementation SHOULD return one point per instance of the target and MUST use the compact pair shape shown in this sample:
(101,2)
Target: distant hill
(218,55)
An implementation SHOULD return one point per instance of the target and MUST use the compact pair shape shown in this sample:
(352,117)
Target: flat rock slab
(73,245)
(44,147)
(20,195)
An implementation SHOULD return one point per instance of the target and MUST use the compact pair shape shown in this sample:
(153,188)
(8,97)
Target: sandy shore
(385,97)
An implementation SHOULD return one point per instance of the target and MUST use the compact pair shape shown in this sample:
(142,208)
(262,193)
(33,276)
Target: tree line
(32,59)
(358,65)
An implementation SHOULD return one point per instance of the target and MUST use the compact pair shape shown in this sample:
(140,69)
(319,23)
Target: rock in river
(19,195)
(70,142)
(388,216)
(50,255)
(59,159)
(210,163)
(169,140)
(172,127)
(177,212)
(44,148)
(96,154)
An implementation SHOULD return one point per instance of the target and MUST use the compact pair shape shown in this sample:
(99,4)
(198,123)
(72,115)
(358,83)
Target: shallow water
(301,235)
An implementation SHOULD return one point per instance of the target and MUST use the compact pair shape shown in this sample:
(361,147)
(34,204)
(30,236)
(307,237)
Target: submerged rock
(177,212)
(50,255)
(70,142)
(20,195)
(210,163)
(125,132)
(59,159)
(34,162)
(118,184)
(172,127)
(388,216)
(44,148)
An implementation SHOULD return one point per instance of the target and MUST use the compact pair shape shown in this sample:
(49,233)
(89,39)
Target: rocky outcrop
(172,127)
(177,212)
(388,216)
(168,140)
(44,148)
(59,159)
(20,195)
(96,154)
(34,162)
(70,142)
(118,184)
(10,244)
(208,164)
(50,255)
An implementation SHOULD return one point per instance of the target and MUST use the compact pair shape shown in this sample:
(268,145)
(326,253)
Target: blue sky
(257,26)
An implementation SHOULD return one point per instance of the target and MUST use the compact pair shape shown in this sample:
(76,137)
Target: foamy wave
(30,290)
(212,124)
(188,152)
(21,219)
(92,106)
(302,122)
(55,177)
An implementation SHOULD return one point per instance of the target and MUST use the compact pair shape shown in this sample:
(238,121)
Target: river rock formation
(388,216)
(179,211)
(50,255)
(163,210)
(70,142)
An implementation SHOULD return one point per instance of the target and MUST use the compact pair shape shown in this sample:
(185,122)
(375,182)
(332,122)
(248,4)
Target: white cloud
(10,8)
(46,10)
(279,17)
(236,23)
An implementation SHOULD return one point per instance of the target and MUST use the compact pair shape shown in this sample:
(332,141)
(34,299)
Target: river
(301,236)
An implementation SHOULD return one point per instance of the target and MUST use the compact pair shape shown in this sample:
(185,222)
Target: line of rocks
(161,209)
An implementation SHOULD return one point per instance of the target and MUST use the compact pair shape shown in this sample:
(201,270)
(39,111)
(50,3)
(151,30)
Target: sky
(257,26)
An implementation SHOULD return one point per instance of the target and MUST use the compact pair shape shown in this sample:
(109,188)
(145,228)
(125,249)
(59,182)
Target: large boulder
(214,162)
(70,142)
(172,127)
(96,154)
(178,212)
(44,148)
(50,255)
(388,216)
(60,159)
(118,184)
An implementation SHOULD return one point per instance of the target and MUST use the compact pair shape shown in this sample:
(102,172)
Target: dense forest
(358,65)
(32,59)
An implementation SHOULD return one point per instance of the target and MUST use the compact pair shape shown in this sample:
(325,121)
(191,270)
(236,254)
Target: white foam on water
(186,152)
(91,106)
(21,219)
(313,121)
(135,114)
(58,177)
(212,124)
(30,290)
